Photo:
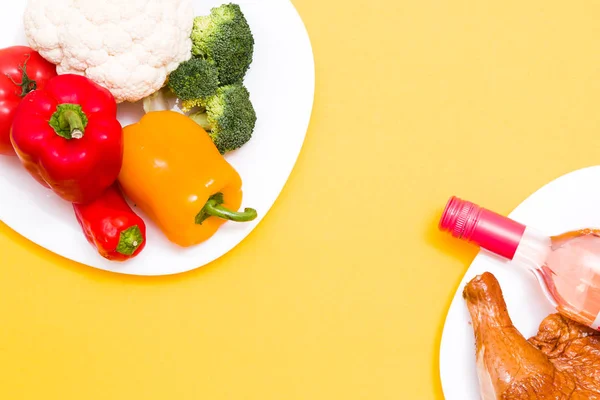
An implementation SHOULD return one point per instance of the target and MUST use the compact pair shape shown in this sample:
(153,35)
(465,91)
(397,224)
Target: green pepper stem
(69,121)
(75,124)
(219,211)
(129,241)
(214,208)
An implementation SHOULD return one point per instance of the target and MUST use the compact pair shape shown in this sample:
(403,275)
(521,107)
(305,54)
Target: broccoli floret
(194,79)
(224,38)
(229,117)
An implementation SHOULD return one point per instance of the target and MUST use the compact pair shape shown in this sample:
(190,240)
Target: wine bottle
(567,266)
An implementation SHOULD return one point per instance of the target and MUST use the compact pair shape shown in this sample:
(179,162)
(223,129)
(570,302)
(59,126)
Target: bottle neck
(488,230)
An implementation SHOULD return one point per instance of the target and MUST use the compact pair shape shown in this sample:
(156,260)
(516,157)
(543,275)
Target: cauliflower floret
(129,47)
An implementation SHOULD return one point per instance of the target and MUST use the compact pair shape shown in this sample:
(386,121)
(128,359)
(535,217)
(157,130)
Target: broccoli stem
(202,120)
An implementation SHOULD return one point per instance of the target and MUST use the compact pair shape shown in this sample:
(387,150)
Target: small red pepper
(111,226)
(68,137)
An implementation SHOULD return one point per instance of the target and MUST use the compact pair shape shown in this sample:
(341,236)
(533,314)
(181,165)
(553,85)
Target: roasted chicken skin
(561,362)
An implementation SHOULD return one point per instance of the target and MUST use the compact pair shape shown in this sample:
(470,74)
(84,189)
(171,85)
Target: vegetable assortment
(58,115)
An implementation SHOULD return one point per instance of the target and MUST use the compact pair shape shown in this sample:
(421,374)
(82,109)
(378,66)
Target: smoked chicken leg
(561,362)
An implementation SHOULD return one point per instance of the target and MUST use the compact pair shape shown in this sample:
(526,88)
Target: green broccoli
(225,39)
(194,79)
(229,117)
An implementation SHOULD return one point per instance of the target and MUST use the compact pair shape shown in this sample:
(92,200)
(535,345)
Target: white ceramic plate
(281,83)
(567,203)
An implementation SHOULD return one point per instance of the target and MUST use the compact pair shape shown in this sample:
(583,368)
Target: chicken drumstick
(561,362)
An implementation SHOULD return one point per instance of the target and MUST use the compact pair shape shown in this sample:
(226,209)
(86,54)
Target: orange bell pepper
(174,173)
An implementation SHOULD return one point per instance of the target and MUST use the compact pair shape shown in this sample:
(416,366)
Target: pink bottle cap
(491,231)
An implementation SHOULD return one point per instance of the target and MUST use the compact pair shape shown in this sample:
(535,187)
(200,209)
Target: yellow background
(341,292)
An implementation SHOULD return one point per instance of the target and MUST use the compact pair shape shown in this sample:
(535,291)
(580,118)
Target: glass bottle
(567,266)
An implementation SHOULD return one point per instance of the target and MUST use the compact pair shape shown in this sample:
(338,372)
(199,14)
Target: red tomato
(21,71)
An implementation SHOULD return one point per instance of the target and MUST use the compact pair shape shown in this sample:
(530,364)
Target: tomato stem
(27,85)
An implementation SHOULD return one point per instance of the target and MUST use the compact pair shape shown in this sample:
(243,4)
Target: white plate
(567,203)
(281,83)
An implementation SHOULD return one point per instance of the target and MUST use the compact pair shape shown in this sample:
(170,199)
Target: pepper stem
(69,121)
(27,85)
(75,124)
(214,208)
(129,241)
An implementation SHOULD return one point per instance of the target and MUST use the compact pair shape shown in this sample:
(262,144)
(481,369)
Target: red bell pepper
(111,226)
(21,71)
(68,137)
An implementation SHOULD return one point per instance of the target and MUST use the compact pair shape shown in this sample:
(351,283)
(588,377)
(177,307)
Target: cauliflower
(127,46)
